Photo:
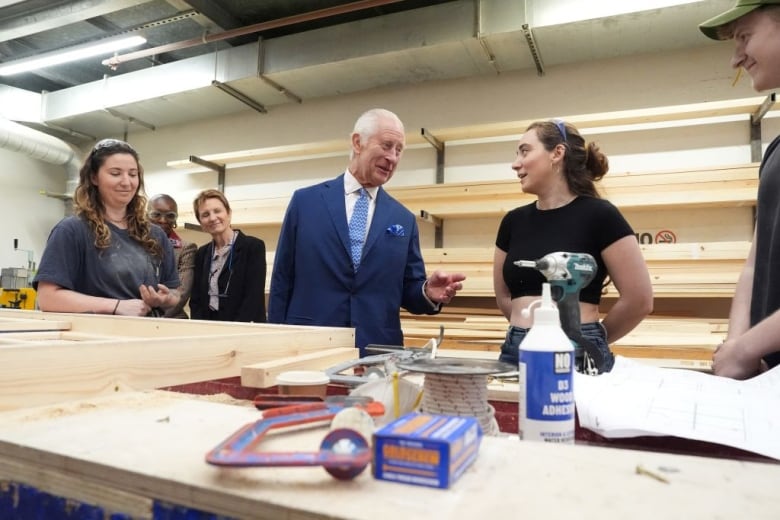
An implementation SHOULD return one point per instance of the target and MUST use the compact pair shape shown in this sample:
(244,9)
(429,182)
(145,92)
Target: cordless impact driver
(567,274)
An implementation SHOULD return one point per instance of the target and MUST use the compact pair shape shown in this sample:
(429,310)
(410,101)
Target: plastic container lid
(302,378)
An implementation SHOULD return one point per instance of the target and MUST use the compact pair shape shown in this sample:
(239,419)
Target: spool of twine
(461,396)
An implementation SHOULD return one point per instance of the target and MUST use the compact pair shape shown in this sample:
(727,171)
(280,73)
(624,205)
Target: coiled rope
(461,396)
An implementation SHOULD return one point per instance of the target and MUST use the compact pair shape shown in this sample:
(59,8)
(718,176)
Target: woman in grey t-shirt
(108,258)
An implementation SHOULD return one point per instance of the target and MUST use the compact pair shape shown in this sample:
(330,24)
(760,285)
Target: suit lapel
(333,197)
(378,222)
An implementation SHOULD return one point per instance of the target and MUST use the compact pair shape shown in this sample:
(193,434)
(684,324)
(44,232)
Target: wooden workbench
(128,450)
(48,357)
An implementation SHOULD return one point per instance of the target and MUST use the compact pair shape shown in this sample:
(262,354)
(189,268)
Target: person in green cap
(753,341)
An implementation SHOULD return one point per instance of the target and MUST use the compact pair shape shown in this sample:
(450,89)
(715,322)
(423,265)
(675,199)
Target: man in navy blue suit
(315,280)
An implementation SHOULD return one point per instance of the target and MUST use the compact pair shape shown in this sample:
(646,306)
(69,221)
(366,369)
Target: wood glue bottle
(546,401)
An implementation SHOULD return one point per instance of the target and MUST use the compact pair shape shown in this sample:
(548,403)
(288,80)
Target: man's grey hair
(368,123)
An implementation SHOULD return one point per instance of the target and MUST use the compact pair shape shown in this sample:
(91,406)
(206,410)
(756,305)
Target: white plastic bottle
(546,401)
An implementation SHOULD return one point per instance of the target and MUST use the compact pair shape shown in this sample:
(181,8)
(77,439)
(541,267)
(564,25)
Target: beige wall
(27,215)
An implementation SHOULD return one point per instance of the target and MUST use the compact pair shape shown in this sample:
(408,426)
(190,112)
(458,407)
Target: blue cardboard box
(426,450)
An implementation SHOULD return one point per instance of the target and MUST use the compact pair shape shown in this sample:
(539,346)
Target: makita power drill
(568,273)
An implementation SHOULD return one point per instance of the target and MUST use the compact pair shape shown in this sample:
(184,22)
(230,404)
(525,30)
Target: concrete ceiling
(325,53)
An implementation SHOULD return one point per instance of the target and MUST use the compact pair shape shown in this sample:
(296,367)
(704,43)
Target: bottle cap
(547,312)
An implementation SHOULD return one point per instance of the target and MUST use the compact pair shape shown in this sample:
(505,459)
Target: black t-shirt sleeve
(610,224)
(503,237)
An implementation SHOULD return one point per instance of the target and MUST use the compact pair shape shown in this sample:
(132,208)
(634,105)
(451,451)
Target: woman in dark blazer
(230,270)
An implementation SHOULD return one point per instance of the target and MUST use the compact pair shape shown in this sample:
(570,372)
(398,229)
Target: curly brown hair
(88,204)
(583,164)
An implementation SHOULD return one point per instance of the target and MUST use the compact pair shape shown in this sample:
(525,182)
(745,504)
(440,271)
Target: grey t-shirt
(72,261)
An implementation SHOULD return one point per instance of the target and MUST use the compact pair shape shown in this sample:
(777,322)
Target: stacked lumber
(700,270)
(720,186)
(724,186)
(250,212)
(682,270)
(671,342)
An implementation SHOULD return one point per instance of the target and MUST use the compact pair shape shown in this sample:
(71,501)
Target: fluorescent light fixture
(67,55)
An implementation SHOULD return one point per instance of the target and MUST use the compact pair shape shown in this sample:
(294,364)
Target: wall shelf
(681,273)
(754,107)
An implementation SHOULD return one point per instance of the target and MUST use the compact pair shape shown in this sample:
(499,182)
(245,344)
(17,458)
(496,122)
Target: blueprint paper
(636,399)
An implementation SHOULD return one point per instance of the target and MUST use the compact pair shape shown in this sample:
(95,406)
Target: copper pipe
(249,29)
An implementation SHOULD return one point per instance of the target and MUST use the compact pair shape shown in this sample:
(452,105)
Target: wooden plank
(650,325)
(602,119)
(112,500)
(677,270)
(735,250)
(284,153)
(153,445)
(299,151)
(145,353)
(263,375)
(719,186)
(135,327)
(672,343)
(63,336)
(723,194)
(250,212)
(479,189)
(318,149)
(22,324)
(681,270)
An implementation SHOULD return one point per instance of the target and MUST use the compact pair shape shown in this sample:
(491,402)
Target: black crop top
(585,225)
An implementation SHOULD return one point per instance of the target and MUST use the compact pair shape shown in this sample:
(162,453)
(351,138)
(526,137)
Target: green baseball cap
(711,28)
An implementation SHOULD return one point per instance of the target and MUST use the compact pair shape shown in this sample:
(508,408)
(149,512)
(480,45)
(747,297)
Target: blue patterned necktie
(357,227)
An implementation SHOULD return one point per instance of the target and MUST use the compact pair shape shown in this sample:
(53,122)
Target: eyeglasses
(168,215)
(561,128)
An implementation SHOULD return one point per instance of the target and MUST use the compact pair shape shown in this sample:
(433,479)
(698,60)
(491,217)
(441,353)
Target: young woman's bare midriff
(589,312)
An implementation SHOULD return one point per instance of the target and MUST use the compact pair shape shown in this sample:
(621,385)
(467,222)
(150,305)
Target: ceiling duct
(18,138)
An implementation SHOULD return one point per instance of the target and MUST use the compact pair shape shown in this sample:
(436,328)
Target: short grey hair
(368,124)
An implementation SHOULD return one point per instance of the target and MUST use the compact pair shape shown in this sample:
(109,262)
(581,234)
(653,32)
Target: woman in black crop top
(554,163)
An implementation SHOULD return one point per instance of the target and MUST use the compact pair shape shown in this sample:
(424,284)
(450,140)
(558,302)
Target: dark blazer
(244,298)
(313,281)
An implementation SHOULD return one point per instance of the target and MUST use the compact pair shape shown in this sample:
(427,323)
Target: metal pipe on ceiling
(249,29)
(18,138)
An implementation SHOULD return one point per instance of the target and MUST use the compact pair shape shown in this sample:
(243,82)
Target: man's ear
(356,143)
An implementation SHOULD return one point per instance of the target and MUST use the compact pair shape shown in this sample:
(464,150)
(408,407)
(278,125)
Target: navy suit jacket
(313,280)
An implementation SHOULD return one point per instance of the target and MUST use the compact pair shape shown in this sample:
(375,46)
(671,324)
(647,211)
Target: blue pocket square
(397,230)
